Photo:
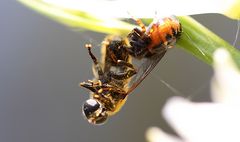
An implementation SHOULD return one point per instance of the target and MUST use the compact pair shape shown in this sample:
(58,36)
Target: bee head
(94,112)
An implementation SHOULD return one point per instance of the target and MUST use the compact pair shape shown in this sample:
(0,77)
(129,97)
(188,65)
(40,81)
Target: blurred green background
(42,63)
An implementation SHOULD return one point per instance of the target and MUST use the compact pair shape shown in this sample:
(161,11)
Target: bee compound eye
(94,112)
(90,107)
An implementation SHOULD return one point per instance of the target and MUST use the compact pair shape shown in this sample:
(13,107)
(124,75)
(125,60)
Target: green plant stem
(201,42)
(78,19)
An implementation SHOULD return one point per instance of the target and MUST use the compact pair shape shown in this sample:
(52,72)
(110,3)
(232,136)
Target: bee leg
(88,85)
(138,43)
(140,24)
(135,34)
(97,66)
(137,51)
(124,63)
(122,76)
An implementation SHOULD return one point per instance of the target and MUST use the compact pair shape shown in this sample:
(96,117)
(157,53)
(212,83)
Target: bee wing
(144,69)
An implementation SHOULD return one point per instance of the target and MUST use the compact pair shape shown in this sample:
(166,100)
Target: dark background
(42,63)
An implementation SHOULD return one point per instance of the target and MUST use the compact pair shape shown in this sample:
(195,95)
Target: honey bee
(109,89)
(116,75)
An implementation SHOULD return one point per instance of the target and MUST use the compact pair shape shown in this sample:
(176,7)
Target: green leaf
(201,42)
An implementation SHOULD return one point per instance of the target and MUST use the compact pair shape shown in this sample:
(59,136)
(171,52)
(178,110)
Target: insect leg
(95,87)
(138,43)
(124,63)
(140,23)
(125,75)
(137,51)
(95,61)
(122,76)
(88,85)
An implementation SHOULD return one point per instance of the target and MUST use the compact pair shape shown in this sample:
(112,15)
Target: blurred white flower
(225,83)
(218,121)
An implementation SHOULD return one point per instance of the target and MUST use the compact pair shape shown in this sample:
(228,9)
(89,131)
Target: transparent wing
(145,66)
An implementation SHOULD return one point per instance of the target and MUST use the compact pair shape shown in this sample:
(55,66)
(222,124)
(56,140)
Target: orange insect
(160,35)
(149,44)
